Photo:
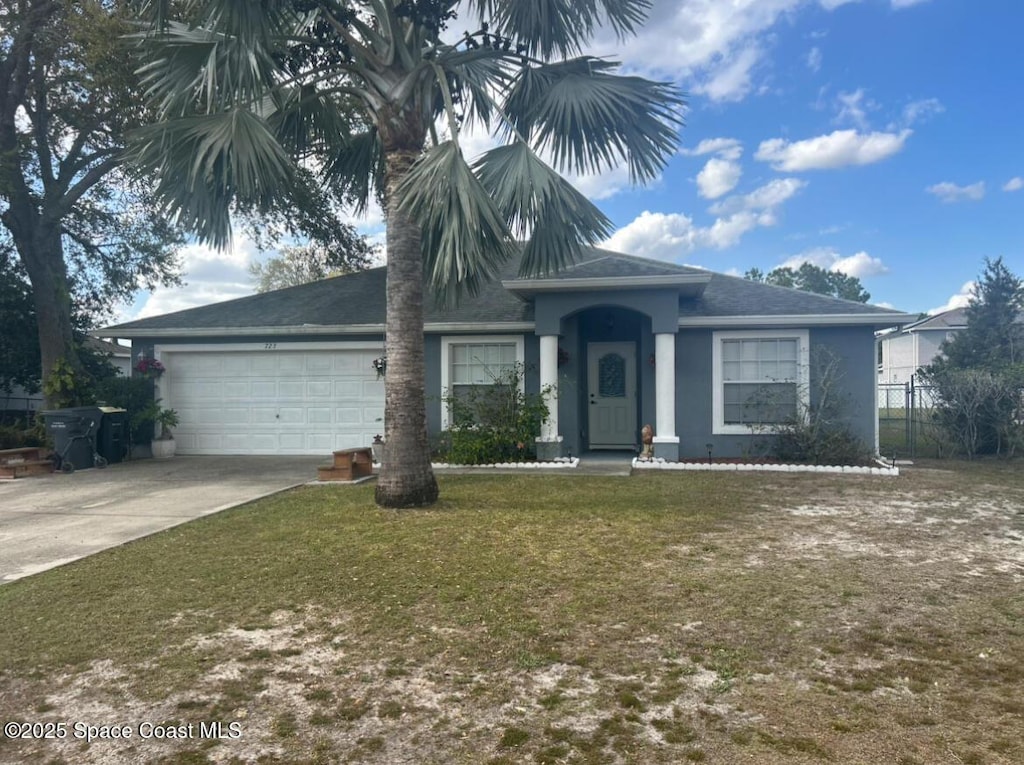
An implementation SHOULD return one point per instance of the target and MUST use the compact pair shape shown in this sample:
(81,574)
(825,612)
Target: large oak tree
(83,224)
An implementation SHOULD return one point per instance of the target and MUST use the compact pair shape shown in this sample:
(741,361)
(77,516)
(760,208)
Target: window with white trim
(760,379)
(477,364)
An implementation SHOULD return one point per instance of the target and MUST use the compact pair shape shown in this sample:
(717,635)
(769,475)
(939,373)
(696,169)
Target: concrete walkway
(51,520)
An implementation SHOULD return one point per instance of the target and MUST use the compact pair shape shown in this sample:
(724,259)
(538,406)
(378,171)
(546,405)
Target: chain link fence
(906,420)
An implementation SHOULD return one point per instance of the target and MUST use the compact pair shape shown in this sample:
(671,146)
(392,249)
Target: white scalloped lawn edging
(560,463)
(661,464)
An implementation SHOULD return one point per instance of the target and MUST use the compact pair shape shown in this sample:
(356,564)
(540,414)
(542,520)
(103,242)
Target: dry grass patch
(662,618)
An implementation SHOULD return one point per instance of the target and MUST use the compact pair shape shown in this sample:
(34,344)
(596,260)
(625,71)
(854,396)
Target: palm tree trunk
(406,479)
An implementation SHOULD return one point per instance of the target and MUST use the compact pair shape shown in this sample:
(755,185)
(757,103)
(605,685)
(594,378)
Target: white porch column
(666,443)
(549,443)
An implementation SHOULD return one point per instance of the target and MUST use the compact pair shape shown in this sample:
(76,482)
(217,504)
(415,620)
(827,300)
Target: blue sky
(877,137)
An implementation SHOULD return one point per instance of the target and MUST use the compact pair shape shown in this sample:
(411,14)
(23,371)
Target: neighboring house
(20,403)
(701,356)
(901,352)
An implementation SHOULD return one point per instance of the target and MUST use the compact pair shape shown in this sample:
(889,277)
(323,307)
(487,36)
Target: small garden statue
(647,438)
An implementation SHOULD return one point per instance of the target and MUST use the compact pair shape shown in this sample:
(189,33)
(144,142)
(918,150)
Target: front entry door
(611,389)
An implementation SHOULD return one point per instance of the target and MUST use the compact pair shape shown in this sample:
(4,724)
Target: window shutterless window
(759,378)
(475,363)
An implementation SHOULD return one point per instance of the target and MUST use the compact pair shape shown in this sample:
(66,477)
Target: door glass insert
(611,376)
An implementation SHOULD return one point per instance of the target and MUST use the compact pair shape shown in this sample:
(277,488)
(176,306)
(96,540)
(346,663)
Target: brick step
(26,468)
(20,455)
(333,473)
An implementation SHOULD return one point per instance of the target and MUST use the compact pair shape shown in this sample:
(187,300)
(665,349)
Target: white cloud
(669,236)
(728,78)
(838,149)
(765,199)
(959,300)
(210,276)
(919,111)
(852,108)
(718,177)
(950,192)
(831,5)
(726,148)
(1014,184)
(860,265)
(814,58)
(711,47)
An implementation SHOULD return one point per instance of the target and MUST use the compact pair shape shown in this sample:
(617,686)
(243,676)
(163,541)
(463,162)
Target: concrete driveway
(51,520)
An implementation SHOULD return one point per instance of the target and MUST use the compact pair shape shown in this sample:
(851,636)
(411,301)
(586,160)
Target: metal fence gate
(906,425)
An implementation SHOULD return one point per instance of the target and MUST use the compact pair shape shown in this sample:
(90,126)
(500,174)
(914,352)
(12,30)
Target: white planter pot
(162,449)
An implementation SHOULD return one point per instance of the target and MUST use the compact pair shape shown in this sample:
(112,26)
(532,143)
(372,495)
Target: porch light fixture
(380,366)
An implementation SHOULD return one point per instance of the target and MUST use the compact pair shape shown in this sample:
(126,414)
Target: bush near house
(493,423)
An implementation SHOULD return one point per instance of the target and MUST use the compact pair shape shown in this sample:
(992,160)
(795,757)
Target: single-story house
(901,352)
(625,340)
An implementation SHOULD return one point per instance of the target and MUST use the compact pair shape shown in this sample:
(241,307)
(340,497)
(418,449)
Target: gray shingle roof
(358,299)
(735,296)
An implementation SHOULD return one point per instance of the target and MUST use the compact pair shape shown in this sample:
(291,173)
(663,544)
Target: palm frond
(477,75)
(541,205)
(190,69)
(465,239)
(591,120)
(204,164)
(307,120)
(355,167)
(559,27)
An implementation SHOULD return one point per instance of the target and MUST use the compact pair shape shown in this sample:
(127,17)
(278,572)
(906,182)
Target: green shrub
(493,423)
(18,436)
(820,433)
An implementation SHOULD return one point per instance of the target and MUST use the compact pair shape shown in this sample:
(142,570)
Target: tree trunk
(43,258)
(406,479)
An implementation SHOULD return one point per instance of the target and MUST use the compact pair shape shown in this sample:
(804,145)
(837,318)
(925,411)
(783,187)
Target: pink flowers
(150,368)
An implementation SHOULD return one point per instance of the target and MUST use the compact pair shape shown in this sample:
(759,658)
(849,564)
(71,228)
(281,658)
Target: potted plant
(163,444)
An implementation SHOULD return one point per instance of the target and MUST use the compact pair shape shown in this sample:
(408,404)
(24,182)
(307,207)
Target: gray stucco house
(624,341)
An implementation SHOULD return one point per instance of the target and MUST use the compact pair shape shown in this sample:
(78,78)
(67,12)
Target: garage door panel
(318,415)
(292,415)
(274,402)
(235,416)
(318,389)
(291,389)
(320,443)
(291,441)
(237,389)
(317,363)
(263,389)
(291,363)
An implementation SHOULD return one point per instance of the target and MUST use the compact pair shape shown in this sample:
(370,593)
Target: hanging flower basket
(150,368)
(380,365)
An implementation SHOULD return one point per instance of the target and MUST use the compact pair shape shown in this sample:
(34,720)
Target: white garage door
(275,400)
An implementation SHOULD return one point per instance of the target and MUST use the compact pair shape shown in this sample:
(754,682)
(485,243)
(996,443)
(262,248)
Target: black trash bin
(112,436)
(74,435)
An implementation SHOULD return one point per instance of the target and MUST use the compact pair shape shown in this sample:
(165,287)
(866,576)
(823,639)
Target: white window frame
(447,341)
(718,424)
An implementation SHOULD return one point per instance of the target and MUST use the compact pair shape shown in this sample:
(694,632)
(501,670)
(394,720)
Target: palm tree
(373,95)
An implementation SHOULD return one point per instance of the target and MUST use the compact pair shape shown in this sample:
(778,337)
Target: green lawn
(662,618)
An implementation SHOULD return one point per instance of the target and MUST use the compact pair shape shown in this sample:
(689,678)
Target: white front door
(611,395)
